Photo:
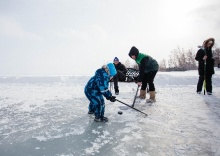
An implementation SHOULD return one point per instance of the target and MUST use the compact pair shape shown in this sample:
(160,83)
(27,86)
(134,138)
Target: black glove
(112,99)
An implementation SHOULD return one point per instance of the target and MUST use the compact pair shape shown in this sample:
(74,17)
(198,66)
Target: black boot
(116,91)
(101,119)
(91,112)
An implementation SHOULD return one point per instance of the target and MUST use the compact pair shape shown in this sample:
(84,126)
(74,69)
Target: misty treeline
(179,60)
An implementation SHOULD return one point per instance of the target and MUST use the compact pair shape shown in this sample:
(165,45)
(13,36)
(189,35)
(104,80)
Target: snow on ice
(48,116)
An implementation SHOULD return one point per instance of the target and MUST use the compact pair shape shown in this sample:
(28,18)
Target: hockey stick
(131,107)
(135,97)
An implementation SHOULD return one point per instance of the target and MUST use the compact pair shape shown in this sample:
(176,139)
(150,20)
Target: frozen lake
(48,116)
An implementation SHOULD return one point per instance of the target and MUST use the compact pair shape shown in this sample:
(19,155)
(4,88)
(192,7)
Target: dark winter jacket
(209,70)
(121,68)
(146,63)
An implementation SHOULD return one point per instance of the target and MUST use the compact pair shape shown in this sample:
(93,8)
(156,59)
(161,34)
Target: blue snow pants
(97,102)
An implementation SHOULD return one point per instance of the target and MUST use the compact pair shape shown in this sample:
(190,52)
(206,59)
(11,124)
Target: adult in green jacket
(148,68)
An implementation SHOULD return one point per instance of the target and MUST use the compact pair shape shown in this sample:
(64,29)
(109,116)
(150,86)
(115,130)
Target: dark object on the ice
(120,112)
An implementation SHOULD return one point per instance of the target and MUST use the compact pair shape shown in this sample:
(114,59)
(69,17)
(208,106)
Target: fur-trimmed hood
(207,41)
(110,69)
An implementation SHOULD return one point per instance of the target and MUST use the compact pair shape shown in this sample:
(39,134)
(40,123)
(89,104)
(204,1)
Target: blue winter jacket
(98,84)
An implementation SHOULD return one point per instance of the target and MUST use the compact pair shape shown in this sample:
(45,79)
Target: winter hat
(112,69)
(116,59)
(134,51)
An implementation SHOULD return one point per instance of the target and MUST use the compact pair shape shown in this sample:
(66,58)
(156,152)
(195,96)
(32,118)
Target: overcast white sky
(75,37)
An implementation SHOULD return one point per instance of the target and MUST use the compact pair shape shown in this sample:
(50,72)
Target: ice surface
(48,116)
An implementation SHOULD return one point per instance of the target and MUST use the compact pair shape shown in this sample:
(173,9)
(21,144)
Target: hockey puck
(120,112)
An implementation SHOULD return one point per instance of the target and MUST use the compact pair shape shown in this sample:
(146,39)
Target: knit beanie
(116,59)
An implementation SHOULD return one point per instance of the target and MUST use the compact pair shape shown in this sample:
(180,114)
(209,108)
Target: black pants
(208,80)
(118,77)
(148,78)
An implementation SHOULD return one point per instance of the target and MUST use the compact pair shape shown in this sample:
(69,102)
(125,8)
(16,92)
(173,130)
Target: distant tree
(216,53)
(181,60)
(162,65)
(170,62)
(216,56)
(174,58)
(190,60)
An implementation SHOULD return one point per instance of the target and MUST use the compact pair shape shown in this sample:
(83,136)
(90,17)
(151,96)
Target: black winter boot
(101,119)
(116,91)
(90,112)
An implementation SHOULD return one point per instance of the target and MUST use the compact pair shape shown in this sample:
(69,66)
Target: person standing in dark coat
(121,74)
(206,65)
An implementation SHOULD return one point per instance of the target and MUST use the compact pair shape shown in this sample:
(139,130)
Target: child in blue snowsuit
(96,88)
